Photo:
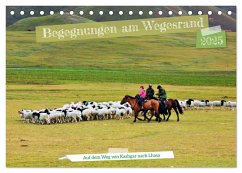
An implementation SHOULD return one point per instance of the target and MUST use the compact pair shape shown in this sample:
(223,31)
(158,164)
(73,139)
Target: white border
(117,3)
(2,89)
(3,169)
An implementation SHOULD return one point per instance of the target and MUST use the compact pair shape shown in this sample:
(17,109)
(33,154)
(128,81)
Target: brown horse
(176,107)
(152,105)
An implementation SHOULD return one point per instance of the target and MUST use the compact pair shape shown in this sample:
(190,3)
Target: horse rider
(162,96)
(150,92)
(142,95)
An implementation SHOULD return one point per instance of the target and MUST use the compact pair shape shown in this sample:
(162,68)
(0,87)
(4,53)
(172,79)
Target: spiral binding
(81,13)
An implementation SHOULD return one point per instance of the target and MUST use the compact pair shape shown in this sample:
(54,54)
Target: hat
(150,84)
(141,87)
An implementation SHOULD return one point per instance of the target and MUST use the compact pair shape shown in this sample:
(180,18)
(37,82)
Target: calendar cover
(121,86)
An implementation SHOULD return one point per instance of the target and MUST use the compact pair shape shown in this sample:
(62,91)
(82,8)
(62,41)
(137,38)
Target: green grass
(63,76)
(203,138)
(146,59)
(167,52)
(108,91)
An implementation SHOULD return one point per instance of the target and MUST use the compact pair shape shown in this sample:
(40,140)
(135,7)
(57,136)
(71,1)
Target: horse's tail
(179,107)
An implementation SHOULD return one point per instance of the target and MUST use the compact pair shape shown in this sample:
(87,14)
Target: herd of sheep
(75,112)
(86,111)
(197,104)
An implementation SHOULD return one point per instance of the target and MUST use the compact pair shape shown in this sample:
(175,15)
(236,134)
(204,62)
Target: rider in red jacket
(142,92)
(142,95)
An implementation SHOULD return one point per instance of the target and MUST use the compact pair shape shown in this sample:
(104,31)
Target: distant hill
(227,22)
(29,24)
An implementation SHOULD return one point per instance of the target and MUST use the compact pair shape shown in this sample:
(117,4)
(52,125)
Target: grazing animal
(230,104)
(72,115)
(147,105)
(42,116)
(183,104)
(171,104)
(26,114)
(190,103)
(174,104)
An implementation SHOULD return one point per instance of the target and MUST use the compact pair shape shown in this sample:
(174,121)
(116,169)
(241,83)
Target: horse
(152,105)
(172,104)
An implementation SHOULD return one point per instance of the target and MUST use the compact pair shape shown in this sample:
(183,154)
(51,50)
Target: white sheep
(120,112)
(72,115)
(44,118)
(230,104)
(57,116)
(27,115)
(183,104)
(86,113)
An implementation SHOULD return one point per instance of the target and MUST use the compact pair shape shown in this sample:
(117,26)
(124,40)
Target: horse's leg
(169,114)
(157,114)
(158,118)
(145,117)
(177,114)
(149,119)
(135,116)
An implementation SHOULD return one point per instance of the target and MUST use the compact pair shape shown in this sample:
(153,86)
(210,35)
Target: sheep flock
(90,110)
(76,112)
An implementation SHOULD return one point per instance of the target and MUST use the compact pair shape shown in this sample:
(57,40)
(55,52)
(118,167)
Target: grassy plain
(166,59)
(203,138)
(162,53)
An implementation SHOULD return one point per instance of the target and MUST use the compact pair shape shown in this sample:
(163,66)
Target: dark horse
(152,105)
(172,104)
